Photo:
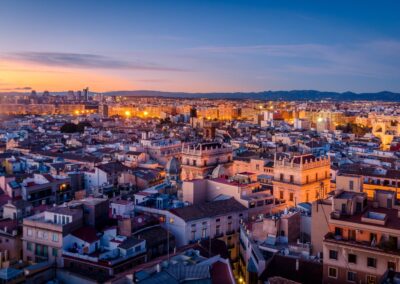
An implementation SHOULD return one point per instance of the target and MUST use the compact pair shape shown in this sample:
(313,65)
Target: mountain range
(268,95)
(264,95)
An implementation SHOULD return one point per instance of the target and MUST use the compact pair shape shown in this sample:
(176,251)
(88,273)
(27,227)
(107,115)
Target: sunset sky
(199,46)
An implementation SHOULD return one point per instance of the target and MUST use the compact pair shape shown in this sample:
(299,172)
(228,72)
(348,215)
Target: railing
(218,235)
(81,256)
(382,245)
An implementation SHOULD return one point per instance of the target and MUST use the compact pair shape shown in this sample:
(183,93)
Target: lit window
(332,272)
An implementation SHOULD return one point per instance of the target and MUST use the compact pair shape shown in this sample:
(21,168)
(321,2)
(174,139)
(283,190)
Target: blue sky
(200,46)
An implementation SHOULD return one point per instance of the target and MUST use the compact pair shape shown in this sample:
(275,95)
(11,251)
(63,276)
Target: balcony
(218,235)
(383,246)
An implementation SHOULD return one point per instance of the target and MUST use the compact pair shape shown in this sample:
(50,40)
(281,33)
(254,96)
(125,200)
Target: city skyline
(199,46)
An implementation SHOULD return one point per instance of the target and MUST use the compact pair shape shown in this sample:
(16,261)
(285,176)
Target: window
(352,235)
(351,276)
(29,232)
(332,272)
(306,179)
(333,254)
(391,265)
(29,246)
(218,230)
(371,279)
(338,231)
(40,234)
(138,248)
(291,196)
(316,176)
(281,176)
(352,258)
(351,185)
(204,233)
(280,194)
(55,252)
(257,167)
(217,220)
(55,237)
(373,237)
(291,178)
(371,262)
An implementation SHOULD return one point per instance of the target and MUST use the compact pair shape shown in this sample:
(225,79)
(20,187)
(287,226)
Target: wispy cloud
(84,60)
(370,59)
(17,89)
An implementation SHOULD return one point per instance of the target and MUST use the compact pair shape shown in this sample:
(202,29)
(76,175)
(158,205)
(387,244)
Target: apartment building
(217,219)
(363,239)
(43,233)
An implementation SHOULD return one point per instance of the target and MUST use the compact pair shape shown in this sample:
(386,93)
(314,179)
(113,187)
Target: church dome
(219,171)
(173,167)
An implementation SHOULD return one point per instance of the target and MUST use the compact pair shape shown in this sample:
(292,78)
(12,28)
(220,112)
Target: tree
(72,127)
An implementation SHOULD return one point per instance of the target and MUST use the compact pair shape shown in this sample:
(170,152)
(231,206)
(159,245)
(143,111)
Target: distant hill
(268,95)
(264,95)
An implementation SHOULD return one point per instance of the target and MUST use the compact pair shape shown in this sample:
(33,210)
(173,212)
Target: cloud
(83,60)
(368,59)
(17,89)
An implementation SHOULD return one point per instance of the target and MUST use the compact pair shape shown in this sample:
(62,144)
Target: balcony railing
(382,245)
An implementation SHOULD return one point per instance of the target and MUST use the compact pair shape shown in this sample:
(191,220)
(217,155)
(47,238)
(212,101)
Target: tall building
(86,94)
(301,178)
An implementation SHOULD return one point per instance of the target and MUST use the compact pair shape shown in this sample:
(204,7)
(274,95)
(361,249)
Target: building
(362,242)
(301,178)
(217,219)
(199,160)
(43,233)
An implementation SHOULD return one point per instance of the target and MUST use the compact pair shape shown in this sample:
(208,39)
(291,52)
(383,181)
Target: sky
(200,46)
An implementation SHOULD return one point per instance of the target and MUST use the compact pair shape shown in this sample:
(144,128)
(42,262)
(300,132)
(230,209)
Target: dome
(218,171)
(173,167)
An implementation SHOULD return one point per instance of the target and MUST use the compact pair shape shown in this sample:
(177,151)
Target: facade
(200,159)
(217,219)
(43,233)
(363,238)
(301,178)
(47,189)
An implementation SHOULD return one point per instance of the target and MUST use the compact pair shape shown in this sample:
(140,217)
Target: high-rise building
(86,94)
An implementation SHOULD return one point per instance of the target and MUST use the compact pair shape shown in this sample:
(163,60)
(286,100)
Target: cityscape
(211,142)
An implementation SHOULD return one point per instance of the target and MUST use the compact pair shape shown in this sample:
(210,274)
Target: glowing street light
(127,113)
(146,113)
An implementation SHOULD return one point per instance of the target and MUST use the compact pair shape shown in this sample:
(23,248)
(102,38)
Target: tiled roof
(208,209)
